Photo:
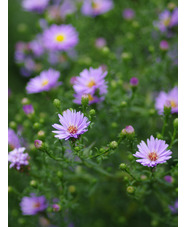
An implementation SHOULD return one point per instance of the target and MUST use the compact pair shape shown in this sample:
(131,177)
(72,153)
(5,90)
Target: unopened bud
(57,103)
(33,183)
(143,177)
(123,166)
(92,112)
(41,134)
(113,145)
(130,189)
(77,148)
(36,125)
(38,143)
(25,101)
(159,136)
(175,123)
(128,130)
(85,100)
(72,189)
(59,174)
(56,207)
(134,81)
(123,104)
(28,109)
(13,125)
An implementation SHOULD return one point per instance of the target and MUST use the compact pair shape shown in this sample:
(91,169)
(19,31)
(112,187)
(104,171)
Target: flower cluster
(18,158)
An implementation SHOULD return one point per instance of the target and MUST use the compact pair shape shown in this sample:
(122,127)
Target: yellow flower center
(44,82)
(72,129)
(95,5)
(60,38)
(90,97)
(173,104)
(166,22)
(153,156)
(91,83)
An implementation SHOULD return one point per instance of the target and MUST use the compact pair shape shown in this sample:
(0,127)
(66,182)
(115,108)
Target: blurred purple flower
(153,153)
(13,139)
(33,205)
(134,81)
(96,7)
(164,45)
(47,80)
(100,42)
(17,158)
(35,5)
(128,130)
(168,178)
(174,208)
(128,14)
(167,99)
(92,98)
(174,18)
(60,37)
(72,125)
(28,109)
(67,7)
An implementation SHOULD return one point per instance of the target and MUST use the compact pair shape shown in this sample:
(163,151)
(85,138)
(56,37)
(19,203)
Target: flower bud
(114,125)
(36,125)
(134,81)
(152,111)
(28,109)
(59,174)
(92,112)
(77,148)
(105,50)
(25,101)
(33,183)
(41,134)
(38,143)
(56,207)
(21,221)
(126,56)
(130,189)
(143,177)
(57,103)
(72,189)
(13,125)
(10,189)
(123,104)
(128,130)
(113,145)
(167,108)
(159,136)
(85,100)
(123,166)
(175,123)
(164,45)
(168,179)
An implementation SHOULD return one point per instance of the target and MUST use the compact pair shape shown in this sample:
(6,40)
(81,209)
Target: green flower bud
(143,177)
(13,125)
(114,125)
(123,104)
(57,103)
(125,178)
(105,50)
(135,24)
(10,189)
(130,157)
(152,111)
(126,56)
(72,189)
(113,145)
(151,48)
(41,134)
(36,125)
(175,123)
(77,148)
(18,118)
(59,174)
(130,189)
(154,223)
(167,109)
(92,112)
(123,166)
(21,221)
(33,183)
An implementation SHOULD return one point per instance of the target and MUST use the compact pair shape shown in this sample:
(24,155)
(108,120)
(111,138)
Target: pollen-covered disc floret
(18,158)
(47,80)
(153,153)
(73,124)
(60,37)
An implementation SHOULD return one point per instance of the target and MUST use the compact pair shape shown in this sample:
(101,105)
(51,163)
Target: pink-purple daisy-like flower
(168,179)
(134,81)
(96,7)
(90,81)
(47,80)
(35,5)
(33,204)
(72,125)
(169,99)
(60,37)
(153,153)
(18,158)
(100,42)
(13,139)
(164,45)
(174,207)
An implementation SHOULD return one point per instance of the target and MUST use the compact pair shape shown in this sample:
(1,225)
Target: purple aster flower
(35,5)
(167,99)
(174,18)
(44,82)
(13,139)
(72,125)
(90,81)
(73,79)
(60,37)
(128,14)
(134,81)
(20,49)
(68,7)
(153,153)
(168,178)
(32,205)
(100,42)
(18,158)
(164,21)
(92,98)
(28,109)
(164,45)
(174,208)
(36,47)
(96,7)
